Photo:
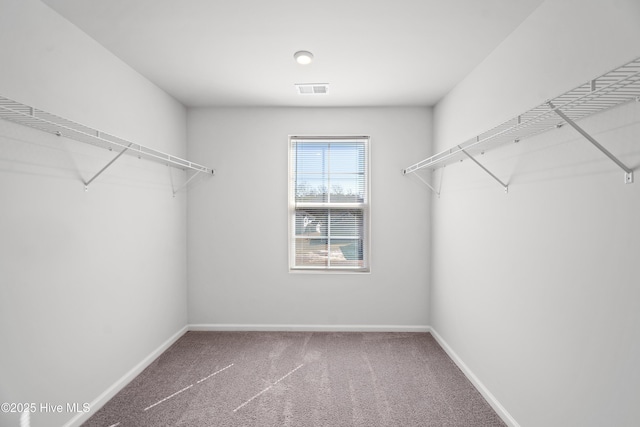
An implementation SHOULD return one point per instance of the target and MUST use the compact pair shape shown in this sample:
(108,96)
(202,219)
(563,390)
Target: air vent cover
(312,88)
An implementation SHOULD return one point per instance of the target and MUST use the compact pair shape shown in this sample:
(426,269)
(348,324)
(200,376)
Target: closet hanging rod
(29,116)
(616,87)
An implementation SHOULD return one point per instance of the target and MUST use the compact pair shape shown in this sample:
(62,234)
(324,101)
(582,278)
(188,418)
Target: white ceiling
(240,52)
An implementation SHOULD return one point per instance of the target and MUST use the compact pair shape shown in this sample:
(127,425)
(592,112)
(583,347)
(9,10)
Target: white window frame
(365,206)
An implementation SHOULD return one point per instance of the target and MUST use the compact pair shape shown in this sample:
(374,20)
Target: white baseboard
(489,397)
(307,328)
(126,379)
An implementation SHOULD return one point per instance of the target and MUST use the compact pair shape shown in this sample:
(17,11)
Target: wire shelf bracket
(86,184)
(424,181)
(618,86)
(505,186)
(628,173)
(186,183)
(32,117)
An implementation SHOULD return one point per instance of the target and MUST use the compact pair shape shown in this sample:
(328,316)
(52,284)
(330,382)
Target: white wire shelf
(47,122)
(616,87)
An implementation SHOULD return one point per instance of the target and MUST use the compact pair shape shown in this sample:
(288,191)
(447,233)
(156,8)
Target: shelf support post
(505,186)
(628,172)
(86,184)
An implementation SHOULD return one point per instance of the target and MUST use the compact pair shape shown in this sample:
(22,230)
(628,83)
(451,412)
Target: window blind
(329,203)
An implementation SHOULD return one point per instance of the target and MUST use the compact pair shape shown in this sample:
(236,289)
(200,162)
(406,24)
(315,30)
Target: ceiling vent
(312,88)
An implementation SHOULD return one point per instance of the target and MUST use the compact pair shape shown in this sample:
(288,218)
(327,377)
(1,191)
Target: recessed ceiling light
(303,57)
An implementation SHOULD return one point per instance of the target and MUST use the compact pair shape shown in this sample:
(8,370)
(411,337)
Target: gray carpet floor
(299,379)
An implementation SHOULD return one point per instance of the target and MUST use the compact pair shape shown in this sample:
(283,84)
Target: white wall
(537,291)
(237,222)
(90,283)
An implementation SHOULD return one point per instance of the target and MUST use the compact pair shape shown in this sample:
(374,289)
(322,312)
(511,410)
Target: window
(329,203)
